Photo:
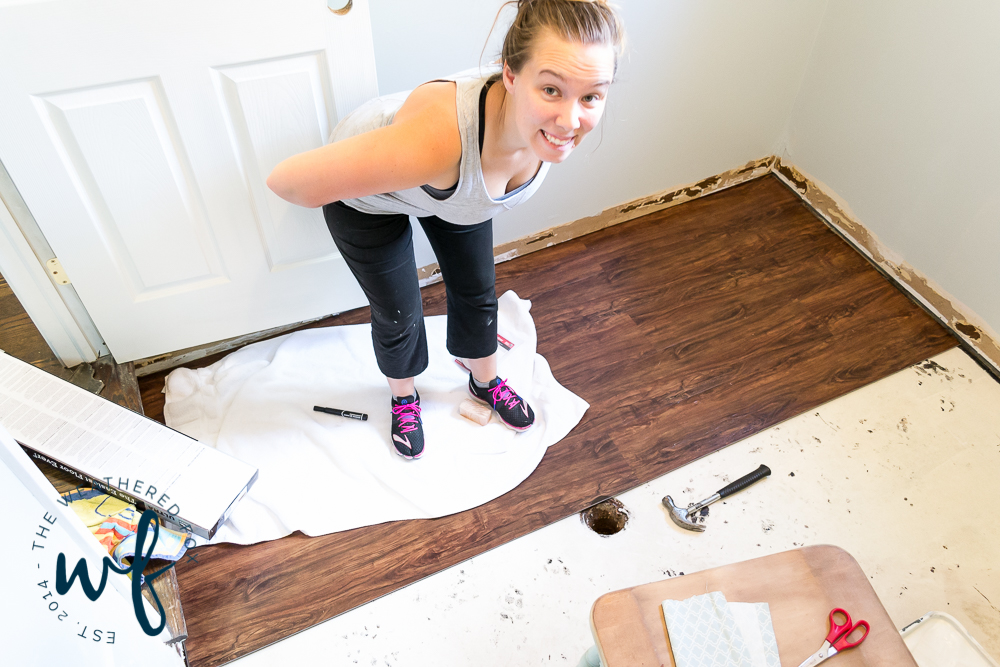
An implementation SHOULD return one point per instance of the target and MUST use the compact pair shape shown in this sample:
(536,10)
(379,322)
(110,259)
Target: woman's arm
(422,144)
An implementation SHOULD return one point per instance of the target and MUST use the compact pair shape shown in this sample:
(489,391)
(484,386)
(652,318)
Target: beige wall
(899,114)
(707,87)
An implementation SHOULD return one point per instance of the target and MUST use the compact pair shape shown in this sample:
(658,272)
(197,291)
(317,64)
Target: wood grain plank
(686,330)
(259,594)
(20,338)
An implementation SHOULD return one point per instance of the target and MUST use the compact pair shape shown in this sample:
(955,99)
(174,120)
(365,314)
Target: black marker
(341,413)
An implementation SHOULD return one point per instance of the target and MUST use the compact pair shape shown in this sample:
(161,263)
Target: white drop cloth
(320,473)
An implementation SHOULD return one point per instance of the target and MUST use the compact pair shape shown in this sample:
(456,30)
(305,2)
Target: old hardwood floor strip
(686,330)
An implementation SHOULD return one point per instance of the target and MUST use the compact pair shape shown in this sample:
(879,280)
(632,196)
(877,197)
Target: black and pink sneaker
(513,410)
(407,429)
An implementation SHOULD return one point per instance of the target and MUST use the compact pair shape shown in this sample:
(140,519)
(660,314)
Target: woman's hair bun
(583,21)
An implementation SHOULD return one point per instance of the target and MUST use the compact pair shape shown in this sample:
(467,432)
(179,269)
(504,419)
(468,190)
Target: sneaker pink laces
(512,409)
(503,393)
(409,417)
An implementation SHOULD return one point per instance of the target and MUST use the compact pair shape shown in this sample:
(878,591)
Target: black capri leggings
(379,251)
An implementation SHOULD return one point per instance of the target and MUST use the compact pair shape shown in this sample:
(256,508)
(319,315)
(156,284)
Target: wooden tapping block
(476,412)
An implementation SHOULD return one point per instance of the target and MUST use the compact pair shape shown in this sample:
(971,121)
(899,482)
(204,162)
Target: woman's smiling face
(559,94)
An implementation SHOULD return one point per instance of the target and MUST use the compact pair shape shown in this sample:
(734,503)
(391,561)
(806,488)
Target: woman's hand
(420,146)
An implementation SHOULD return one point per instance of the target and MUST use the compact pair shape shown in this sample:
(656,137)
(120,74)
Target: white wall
(899,114)
(707,86)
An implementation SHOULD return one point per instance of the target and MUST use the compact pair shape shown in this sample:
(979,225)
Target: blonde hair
(582,21)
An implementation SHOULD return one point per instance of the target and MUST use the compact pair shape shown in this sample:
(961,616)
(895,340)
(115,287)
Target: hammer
(681,516)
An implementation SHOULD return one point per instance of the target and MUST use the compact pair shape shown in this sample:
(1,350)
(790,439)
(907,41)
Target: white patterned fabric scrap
(754,622)
(703,633)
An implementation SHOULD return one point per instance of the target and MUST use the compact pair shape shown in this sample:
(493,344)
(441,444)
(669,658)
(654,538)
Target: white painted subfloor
(901,473)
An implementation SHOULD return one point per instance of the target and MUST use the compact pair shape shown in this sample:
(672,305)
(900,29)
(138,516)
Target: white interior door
(140,135)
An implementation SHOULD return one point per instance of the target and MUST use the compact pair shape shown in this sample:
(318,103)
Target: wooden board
(686,330)
(800,587)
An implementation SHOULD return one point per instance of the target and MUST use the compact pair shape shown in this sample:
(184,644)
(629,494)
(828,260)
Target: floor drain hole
(606,517)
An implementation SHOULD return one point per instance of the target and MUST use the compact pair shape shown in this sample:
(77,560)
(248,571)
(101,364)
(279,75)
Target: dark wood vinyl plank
(686,330)
(287,585)
(801,377)
(20,338)
(151,391)
(564,482)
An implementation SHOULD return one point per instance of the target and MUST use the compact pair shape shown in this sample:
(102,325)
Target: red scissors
(837,640)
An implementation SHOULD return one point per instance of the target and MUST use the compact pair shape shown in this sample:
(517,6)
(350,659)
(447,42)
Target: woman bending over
(453,154)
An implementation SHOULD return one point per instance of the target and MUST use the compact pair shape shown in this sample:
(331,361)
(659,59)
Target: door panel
(140,136)
(122,150)
(256,97)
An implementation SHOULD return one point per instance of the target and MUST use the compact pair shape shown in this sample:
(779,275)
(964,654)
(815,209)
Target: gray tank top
(469,203)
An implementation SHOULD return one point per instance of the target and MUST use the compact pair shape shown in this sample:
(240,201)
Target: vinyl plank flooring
(261,593)
(686,330)
(20,338)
